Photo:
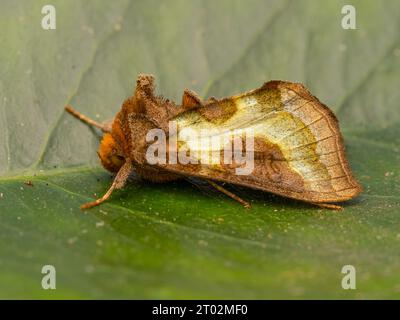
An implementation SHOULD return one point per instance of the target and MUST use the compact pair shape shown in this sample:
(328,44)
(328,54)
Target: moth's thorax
(139,114)
(129,130)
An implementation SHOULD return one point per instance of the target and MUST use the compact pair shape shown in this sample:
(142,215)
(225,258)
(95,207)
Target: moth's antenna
(85,119)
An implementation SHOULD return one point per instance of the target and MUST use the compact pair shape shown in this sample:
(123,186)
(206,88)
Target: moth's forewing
(298,149)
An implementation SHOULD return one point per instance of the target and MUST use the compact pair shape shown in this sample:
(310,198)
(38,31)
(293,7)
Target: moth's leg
(105,127)
(118,183)
(327,206)
(230,194)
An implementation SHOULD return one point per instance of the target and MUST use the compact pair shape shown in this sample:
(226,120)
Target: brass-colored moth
(297,147)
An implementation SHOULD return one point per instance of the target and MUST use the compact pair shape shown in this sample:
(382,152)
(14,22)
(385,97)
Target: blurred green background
(176,240)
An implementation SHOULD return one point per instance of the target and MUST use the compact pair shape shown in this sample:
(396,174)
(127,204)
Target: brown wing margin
(354,187)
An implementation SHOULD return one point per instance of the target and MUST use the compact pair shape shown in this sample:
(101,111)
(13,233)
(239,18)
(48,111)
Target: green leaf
(174,240)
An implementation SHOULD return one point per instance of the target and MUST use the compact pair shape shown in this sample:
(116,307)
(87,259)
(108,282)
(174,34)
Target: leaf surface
(176,240)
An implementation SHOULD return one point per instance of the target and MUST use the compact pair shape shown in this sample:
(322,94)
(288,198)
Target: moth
(297,148)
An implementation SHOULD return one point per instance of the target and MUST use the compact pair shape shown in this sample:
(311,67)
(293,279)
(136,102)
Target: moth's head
(110,153)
